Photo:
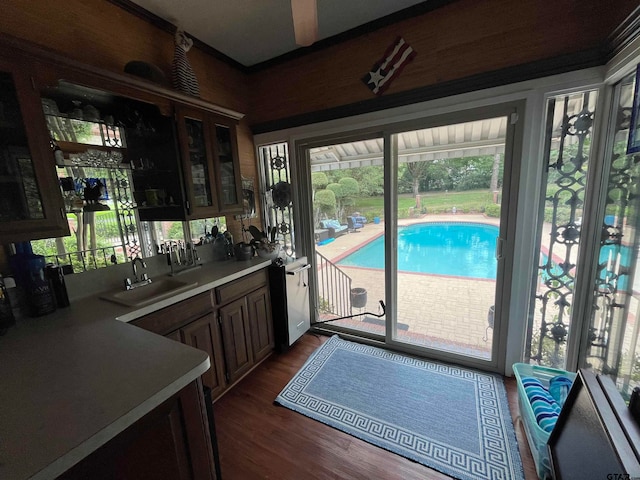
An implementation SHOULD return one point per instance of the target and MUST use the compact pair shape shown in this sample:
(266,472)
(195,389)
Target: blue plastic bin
(536,436)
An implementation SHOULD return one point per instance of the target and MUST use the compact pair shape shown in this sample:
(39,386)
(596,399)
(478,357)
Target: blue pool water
(456,249)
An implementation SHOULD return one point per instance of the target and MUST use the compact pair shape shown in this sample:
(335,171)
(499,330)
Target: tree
(324,203)
(319,181)
(338,192)
(416,171)
(350,190)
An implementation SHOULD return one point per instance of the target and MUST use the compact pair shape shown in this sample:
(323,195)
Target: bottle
(6,314)
(56,279)
(29,270)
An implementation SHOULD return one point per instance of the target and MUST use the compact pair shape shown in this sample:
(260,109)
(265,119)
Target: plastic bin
(536,436)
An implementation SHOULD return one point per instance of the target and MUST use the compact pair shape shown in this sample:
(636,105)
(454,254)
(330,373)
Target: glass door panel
(19,191)
(450,188)
(198,161)
(229,193)
(348,221)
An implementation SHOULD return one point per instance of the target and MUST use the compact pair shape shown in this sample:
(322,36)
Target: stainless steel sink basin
(147,294)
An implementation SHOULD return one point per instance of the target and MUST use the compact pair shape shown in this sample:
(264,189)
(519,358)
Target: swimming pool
(443,248)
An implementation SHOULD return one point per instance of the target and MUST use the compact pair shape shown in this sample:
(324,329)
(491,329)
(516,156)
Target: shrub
(492,210)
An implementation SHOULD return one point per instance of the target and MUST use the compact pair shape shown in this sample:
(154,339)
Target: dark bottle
(56,280)
(6,314)
(30,274)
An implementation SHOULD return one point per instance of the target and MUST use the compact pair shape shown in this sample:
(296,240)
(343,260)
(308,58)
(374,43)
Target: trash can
(358,297)
(376,220)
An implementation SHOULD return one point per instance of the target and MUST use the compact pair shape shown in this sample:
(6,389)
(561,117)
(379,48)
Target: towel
(545,408)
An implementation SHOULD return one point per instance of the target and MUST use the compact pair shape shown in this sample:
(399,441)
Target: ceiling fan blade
(305,21)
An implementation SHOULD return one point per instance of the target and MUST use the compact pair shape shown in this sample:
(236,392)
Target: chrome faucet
(135,270)
(137,282)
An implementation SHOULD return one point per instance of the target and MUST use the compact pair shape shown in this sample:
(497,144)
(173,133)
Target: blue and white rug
(449,418)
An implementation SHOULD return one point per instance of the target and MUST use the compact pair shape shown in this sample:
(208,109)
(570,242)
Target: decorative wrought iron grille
(124,205)
(277,194)
(567,148)
(613,331)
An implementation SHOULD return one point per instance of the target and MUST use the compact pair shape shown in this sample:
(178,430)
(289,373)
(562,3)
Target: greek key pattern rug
(449,418)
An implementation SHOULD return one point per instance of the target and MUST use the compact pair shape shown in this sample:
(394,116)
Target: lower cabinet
(232,323)
(236,338)
(203,334)
(171,441)
(260,323)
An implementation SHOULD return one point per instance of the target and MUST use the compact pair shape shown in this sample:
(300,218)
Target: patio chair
(353,224)
(359,218)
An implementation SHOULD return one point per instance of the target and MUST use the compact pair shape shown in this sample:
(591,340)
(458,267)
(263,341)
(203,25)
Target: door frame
(530,92)
(514,112)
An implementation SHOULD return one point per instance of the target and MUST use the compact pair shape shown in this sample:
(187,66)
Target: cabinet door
(31,204)
(236,337)
(172,441)
(229,182)
(261,322)
(196,148)
(205,335)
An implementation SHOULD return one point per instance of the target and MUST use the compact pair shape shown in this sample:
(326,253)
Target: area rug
(451,419)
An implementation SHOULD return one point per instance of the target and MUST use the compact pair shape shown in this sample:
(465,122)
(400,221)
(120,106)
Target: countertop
(74,379)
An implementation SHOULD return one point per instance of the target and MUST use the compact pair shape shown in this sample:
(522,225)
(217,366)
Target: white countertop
(74,379)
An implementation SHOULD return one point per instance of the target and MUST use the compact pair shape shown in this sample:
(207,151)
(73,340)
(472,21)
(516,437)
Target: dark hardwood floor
(260,440)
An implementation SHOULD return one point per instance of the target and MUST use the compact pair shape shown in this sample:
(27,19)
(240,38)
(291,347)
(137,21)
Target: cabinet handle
(499,248)
(301,269)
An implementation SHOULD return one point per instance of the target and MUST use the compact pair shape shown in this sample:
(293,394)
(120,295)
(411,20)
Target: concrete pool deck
(441,311)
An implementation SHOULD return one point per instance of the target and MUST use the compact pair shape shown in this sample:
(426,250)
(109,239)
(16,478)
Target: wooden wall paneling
(98,33)
(461,39)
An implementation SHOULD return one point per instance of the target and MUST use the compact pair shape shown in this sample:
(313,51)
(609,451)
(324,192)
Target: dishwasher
(290,301)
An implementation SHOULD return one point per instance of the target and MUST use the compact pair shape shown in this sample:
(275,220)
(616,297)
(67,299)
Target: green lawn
(471,201)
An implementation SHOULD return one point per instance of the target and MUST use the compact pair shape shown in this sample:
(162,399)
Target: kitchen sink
(147,294)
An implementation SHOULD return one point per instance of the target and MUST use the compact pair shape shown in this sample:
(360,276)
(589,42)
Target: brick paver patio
(440,311)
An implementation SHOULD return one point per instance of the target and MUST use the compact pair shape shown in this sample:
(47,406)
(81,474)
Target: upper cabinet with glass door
(31,205)
(211,170)
(229,182)
(196,149)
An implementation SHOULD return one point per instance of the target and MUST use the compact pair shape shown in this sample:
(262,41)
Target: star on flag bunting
(388,67)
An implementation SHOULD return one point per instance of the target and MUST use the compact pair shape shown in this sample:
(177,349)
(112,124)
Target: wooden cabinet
(247,325)
(172,441)
(193,322)
(232,323)
(236,338)
(227,165)
(204,334)
(260,323)
(208,147)
(31,204)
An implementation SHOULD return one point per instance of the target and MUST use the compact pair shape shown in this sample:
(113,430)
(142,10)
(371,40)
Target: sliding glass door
(411,233)
(449,198)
